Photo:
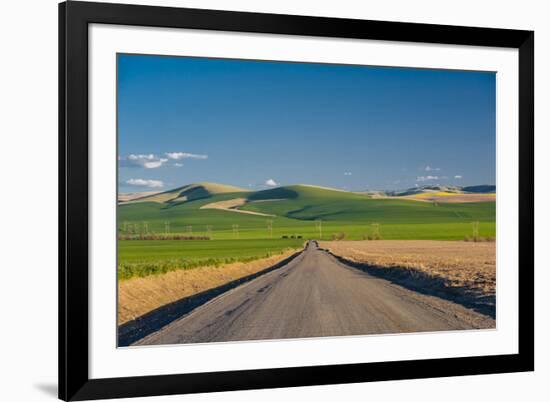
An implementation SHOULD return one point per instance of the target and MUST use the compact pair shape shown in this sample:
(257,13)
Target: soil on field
(138,296)
(466,268)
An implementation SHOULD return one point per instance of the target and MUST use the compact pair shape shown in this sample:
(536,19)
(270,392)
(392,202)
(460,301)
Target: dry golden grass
(444,197)
(124,197)
(138,296)
(231,205)
(227,204)
(460,264)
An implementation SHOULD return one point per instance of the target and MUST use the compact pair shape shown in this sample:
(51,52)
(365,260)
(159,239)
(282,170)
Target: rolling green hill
(296,210)
(312,203)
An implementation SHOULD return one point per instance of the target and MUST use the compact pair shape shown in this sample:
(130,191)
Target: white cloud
(184,155)
(145,183)
(148,161)
(347,173)
(152,161)
(154,164)
(458,177)
(431,169)
(426,178)
(271,183)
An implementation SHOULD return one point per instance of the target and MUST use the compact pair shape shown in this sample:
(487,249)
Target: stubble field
(466,265)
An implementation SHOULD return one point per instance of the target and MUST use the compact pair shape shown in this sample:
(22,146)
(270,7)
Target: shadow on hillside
(275,193)
(134,330)
(424,283)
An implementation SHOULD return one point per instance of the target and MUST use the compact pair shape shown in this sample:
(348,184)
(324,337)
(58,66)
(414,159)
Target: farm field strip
(139,258)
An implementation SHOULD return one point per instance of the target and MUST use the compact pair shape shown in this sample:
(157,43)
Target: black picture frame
(74,381)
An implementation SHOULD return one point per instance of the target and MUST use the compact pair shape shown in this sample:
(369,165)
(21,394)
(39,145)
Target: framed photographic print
(256,200)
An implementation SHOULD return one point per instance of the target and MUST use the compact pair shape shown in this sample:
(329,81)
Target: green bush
(338,236)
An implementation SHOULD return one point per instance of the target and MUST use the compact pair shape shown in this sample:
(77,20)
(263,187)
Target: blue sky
(256,124)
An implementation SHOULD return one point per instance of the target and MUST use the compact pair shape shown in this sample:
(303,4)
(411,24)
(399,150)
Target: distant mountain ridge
(484,188)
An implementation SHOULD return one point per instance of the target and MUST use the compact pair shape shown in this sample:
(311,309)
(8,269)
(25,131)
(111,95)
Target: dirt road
(316,295)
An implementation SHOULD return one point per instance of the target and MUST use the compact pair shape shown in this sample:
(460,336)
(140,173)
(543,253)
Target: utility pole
(376,230)
(475,229)
(270,228)
(319,227)
(235,231)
